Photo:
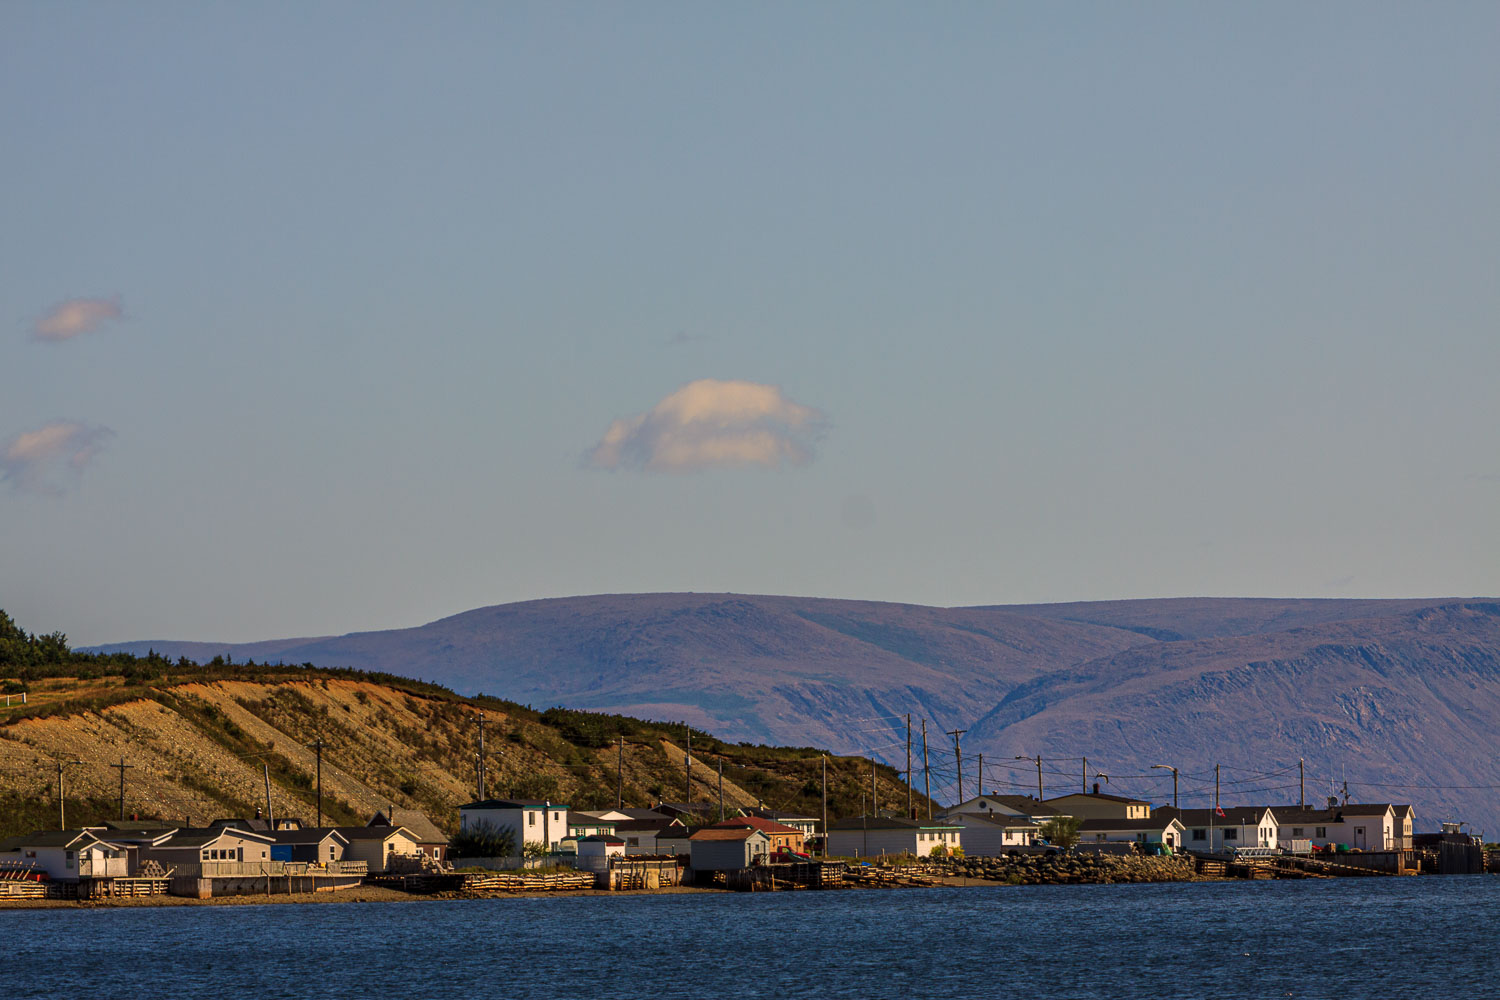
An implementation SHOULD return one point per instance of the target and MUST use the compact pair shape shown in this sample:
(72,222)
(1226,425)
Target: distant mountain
(1400,698)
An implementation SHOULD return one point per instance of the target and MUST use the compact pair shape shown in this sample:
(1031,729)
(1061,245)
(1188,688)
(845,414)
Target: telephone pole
(121,767)
(980,789)
(1038,761)
(271,816)
(620,777)
(1301,784)
(825,805)
(874,803)
(1086,777)
(908,767)
(1213,816)
(481,757)
(958,758)
(62,815)
(687,786)
(926,774)
(317,746)
(721,790)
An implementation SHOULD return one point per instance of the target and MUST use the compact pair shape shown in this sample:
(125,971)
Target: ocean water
(1395,938)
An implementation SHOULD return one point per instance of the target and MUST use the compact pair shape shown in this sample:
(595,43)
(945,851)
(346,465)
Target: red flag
(1220,811)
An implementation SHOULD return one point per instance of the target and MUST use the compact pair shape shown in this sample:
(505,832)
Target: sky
(338,316)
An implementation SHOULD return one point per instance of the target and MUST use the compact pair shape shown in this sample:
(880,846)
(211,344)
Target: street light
(1169,767)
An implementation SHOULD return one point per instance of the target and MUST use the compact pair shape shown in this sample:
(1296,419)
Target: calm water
(1414,937)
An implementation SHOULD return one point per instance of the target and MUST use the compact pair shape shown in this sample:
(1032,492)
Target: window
(1231,834)
(1296,831)
(330,852)
(1200,834)
(531,819)
(1320,831)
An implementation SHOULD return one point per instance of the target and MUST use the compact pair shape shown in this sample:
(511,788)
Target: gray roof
(514,804)
(51,838)
(309,836)
(997,819)
(352,833)
(892,823)
(1158,822)
(415,821)
(1233,816)
(190,837)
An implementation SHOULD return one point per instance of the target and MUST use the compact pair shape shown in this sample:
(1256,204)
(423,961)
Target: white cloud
(712,422)
(68,319)
(48,459)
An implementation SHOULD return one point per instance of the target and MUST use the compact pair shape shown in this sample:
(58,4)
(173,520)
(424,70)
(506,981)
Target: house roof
(1292,815)
(1024,804)
(1107,823)
(1103,796)
(353,833)
(514,804)
(200,836)
(891,823)
(766,826)
(52,838)
(310,836)
(138,825)
(415,821)
(1403,810)
(1366,808)
(778,815)
(1001,820)
(656,826)
(725,833)
(601,838)
(1233,816)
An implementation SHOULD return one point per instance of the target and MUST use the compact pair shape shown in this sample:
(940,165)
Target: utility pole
(270,816)
(481,757)
(1086,777)
(1346,792)
(825,805)
(874,802)
(958,757)
(926,774)
(980,789)
(908,767)
(620,777)
(1301,784)
(687,786)
(721,790)
(1213,816)
(62,815)
(1169,767)
(1038,761)
(317,746)
(121,768)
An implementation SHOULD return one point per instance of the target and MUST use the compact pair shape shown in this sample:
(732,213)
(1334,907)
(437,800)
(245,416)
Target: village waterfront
(1394,937)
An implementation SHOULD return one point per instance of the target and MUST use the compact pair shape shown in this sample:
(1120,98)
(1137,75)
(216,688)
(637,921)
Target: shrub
(483,840)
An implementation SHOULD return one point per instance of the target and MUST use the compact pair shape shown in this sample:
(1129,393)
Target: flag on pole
(1220,812)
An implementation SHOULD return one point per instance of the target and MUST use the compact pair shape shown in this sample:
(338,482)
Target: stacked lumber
(508,882)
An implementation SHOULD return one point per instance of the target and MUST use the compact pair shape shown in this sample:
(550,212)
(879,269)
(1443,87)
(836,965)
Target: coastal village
(544,845)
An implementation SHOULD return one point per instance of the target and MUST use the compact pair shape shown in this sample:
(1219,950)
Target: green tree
(1061,831)
(483,840)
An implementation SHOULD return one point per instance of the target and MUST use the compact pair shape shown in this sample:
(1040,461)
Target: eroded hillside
(200,750)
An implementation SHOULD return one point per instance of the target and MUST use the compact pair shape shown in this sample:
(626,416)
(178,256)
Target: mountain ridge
(1386,693)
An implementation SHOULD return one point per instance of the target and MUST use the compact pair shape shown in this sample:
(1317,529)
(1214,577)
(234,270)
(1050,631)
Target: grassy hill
(201,738)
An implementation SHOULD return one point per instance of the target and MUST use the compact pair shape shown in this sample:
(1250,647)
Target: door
(1359,837)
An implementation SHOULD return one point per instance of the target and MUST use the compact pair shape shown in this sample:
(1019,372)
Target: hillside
(200,749)
(1396,697)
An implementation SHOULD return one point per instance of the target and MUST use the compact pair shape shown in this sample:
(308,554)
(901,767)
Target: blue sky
(317,316)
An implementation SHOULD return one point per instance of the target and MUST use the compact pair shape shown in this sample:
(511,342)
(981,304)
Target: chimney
(257,812)
(1096,788)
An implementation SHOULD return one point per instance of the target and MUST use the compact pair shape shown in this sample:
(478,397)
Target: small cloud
(709,423)
(48,459)
(68,319)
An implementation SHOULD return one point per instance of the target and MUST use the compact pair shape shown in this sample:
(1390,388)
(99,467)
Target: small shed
(716,848)
(594,852)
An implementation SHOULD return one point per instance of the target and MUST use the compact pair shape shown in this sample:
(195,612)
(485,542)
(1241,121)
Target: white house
(1156,829)
(533,821)
(991,835)
(1024,806)
(1363,827)
(65,855)
(872,836)
(1220,830)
